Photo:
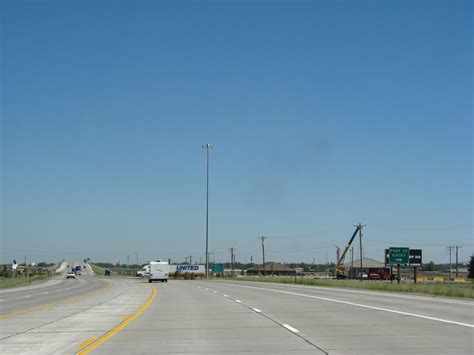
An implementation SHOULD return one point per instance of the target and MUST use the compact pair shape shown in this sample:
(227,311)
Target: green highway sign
(217,268)
(398,255)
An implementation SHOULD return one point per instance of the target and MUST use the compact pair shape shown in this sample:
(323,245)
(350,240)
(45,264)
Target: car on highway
(70,275)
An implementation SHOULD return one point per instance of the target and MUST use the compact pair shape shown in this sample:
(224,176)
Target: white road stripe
(290,328)
(238,301)
(45,293)
(27,296)
(226,296)
(207,289)
(257,310)
(365,306)
(378,293)
(2,300)
(214,291)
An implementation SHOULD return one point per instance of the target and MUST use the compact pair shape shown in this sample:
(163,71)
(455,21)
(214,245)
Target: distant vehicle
(159,271)
(144,271)
(77,270)
(362,275)
(379,275)
(374,276)
(107,272)
(70,275)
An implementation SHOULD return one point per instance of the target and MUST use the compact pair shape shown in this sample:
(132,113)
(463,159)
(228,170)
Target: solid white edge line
(257,310)
(366,306)
(290,328)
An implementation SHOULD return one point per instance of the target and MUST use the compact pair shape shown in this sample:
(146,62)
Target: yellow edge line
(119,327)
(85,342)
(49,305)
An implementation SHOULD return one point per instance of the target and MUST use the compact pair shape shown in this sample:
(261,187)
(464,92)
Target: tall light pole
(207,147)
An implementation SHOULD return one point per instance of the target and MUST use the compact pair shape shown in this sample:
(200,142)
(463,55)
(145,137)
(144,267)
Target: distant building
(272,268)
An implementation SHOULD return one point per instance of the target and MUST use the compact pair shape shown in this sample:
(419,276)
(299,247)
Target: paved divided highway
(130,316)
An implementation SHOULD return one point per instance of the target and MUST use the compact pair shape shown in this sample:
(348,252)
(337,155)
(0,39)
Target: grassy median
(465,290)
(97,269)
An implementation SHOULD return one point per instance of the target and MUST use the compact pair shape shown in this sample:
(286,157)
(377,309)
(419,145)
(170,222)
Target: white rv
(159,271)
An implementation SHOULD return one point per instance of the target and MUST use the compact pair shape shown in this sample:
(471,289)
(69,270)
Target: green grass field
(22,280)
(97,269)
(436,289)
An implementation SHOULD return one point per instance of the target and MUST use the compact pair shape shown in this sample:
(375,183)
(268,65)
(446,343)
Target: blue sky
(322,114)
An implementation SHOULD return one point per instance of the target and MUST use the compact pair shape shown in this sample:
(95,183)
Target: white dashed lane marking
(290,328)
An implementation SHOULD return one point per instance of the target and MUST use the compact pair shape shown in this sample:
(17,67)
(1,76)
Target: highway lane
(199,317)
(455,310)
(130,316)
(352,321)
(184,319)
(65,326)
(19,298)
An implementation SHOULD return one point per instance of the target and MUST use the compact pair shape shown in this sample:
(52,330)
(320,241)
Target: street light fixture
(207,147)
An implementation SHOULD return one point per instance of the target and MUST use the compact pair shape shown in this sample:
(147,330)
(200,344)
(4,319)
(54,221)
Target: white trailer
(159,271)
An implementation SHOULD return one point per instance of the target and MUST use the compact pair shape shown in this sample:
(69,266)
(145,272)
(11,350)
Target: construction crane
(340,272)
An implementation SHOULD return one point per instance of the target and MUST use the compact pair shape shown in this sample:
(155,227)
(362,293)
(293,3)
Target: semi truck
(159,271)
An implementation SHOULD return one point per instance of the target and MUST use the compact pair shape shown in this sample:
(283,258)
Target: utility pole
(457,247)
(352,261)
(360,226)
(136,252)
(207,147)
(450,248)
(263,252)
(231,261)
(190,259)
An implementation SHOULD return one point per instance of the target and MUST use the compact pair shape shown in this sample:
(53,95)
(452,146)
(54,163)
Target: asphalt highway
(130,316)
